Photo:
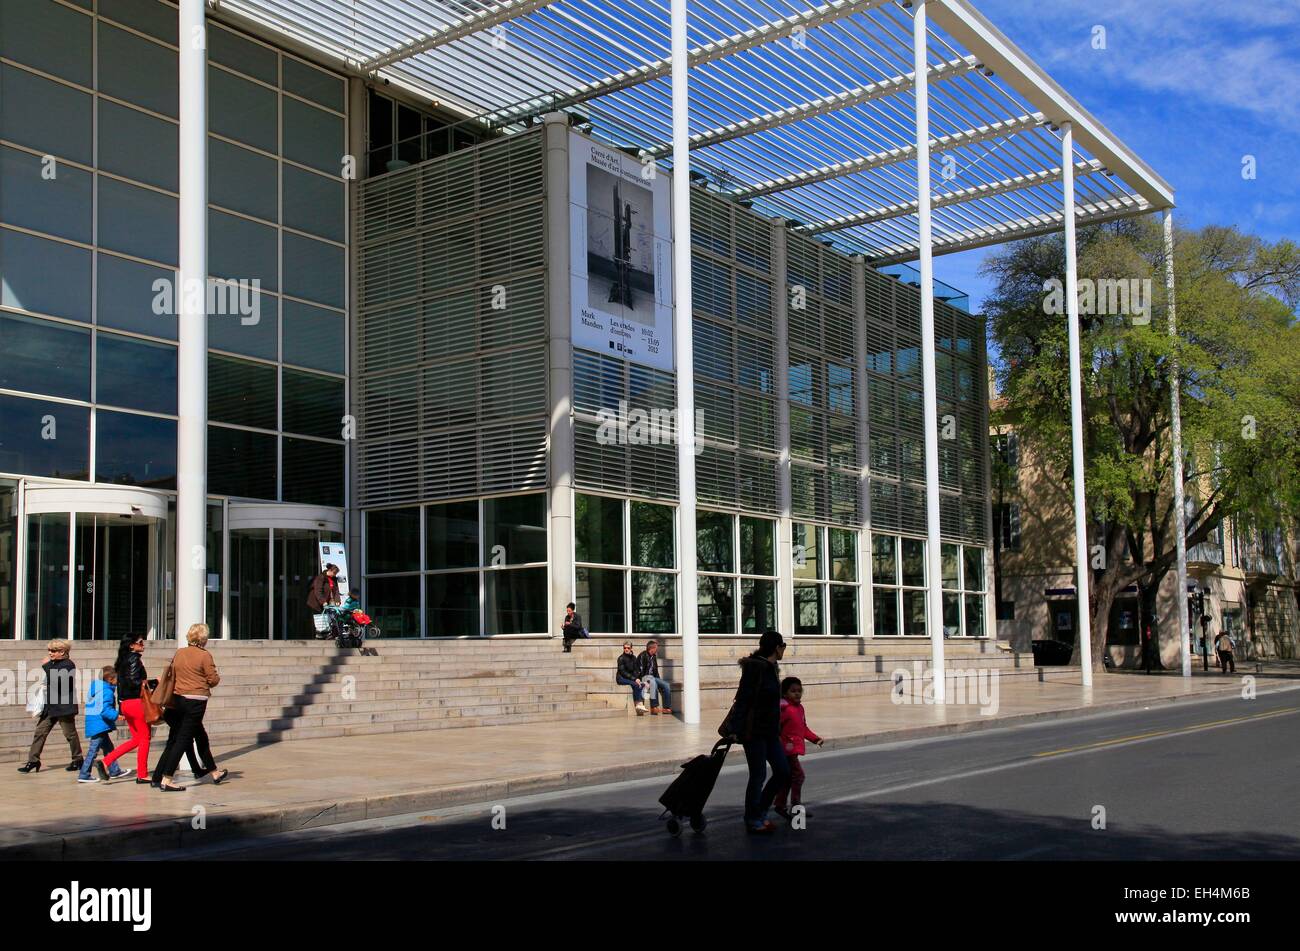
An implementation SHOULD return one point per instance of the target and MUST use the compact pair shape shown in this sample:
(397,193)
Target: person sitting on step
(628,674)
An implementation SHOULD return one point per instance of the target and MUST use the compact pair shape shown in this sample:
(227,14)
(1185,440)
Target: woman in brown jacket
(195,675)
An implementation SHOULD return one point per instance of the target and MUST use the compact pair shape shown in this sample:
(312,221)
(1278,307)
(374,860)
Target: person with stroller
(324,591)
(755,720)
(348,622)
(59,709)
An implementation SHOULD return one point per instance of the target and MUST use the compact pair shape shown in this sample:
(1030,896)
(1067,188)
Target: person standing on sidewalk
(755,720)
(132,680)
(1223,644)
(60,707)
(195,675)
(1148,649)
(794,733)
(101,721)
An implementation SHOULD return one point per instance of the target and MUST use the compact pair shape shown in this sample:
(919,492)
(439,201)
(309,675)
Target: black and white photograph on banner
(707,437)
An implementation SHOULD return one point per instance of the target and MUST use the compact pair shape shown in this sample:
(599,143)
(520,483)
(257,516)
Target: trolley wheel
(699,823)
(674,826)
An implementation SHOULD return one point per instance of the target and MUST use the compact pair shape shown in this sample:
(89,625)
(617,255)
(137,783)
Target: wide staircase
(829,667)
(272,691)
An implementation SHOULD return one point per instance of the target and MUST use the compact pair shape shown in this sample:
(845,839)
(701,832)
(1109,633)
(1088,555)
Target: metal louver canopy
(804,111)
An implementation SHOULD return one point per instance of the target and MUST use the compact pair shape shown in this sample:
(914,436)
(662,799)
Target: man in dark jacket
(60,707)
(628,673)
(648,669)
(756,722)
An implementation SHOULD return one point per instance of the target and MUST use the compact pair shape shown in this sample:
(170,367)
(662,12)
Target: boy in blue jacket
(101,720)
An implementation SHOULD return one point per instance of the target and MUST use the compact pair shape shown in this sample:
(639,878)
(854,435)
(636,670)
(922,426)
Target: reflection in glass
(516,601)
(452,604)
(844,610)
(716,603)
(757,546)
(757,605)
(884,559)
(41,356)
(974,615)
(451,537)
(807,550)
(652,536)
(913,562)
(394,605)
(808,609)
(598,531)
(974,579)
(136,374)
(884,603)
(951,614)
(713,531)
(600,599)
(950,556)
(515,530)
(135,450)
(313,472)
(844,555)
(392,540)
(654,602)
(914,613)
(47,575)
(44,439)
(250,557)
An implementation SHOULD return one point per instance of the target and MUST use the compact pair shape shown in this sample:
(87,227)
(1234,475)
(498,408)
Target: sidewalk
(288,786)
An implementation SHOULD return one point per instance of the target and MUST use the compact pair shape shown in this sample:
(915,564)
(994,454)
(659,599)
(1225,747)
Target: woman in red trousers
(131,680)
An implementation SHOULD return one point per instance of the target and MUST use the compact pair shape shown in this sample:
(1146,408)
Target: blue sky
(1191,85)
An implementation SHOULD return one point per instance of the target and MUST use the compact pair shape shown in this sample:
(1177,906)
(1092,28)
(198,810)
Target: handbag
(36,701)
(161,698)
(729,726)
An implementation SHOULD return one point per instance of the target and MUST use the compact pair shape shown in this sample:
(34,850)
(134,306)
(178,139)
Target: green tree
(1238,352)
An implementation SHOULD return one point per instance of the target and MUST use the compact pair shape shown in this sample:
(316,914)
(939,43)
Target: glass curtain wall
(625,555)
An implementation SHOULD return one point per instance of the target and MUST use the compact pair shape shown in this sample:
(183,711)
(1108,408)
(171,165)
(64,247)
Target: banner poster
(333,553)
(620,224)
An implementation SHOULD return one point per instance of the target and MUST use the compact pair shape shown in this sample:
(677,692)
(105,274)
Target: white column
(192,353)
(1076,406)
(1176,434)
(933,550)
(687,594)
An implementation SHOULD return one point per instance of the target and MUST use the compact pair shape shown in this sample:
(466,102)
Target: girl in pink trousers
(794,731)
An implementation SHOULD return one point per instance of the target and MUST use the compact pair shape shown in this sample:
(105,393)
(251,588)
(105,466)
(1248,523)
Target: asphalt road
(1188,781)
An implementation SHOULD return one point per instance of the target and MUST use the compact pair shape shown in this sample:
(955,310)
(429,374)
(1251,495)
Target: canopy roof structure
(805,111)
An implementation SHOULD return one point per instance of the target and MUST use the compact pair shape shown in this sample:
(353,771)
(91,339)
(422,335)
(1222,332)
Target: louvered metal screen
(451,326)
(735,356)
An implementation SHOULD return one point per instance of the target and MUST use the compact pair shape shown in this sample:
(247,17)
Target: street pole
(192,321)
(933,549)
(1076,407)
(683,351)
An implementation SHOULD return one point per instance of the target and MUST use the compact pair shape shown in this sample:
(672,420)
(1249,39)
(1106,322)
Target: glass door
(250,583)
(115,587)
(47,576)
(296,563)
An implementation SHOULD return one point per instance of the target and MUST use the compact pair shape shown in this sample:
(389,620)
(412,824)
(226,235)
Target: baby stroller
(349,628)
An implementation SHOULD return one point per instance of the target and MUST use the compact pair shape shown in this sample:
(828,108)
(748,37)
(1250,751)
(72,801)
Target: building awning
(804,111)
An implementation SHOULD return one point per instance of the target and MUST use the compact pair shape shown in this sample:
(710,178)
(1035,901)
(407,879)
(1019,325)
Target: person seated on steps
(648,668)
(628,674)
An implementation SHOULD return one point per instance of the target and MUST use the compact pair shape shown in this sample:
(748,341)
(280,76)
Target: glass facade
(458,569)
(626,558)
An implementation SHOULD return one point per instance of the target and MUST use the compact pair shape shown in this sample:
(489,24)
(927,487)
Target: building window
(737,581)
(1006,525)
(1006,451)
(898,586)
(617,568)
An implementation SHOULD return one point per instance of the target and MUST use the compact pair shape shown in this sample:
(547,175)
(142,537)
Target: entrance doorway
(270,569)
(93,562)
(115,576)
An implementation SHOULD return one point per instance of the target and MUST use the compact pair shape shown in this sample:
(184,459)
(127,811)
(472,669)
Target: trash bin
(1052,653)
